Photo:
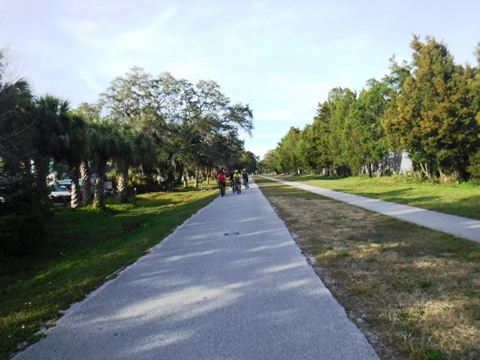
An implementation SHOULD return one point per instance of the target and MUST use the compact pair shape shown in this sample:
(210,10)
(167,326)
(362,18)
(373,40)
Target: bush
(24,216)
(474,168)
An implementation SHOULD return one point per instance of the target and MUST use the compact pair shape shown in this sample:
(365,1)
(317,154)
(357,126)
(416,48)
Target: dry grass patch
(458,199)
(413,291)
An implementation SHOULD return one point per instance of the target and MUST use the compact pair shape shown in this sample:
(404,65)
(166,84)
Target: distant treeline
(152,131)
(429,108)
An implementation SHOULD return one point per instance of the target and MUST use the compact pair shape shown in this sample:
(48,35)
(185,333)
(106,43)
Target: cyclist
(236,177)
(231,179)
(221,179)
(245,178)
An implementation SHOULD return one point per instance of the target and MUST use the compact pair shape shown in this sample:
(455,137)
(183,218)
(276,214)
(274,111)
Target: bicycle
(222,189)
(237,187)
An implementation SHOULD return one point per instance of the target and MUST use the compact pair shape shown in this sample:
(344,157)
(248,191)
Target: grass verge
(413,291)
(457,199)
(86,246)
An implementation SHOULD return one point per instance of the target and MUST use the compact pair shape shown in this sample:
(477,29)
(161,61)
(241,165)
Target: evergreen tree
(432,118)
(364,134)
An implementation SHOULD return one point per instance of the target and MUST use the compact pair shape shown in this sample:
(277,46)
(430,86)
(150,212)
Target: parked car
(60,196)
(67,184)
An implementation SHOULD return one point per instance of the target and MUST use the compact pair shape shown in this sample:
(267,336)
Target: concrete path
(202,294)
(451,224)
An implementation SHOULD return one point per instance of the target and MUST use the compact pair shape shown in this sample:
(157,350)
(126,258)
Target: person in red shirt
(221,179)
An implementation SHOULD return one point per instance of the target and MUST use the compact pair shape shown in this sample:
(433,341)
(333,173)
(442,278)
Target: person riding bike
(221,179)
(231,179)
(236,177)
(245,178)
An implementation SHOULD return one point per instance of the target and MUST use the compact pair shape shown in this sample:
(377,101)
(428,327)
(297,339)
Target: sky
(280,57)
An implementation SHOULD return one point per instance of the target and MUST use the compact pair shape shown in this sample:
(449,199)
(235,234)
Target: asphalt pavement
(451,224)
(230,283)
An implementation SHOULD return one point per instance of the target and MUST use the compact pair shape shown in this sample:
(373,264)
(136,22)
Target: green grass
(85,247)
(457,199)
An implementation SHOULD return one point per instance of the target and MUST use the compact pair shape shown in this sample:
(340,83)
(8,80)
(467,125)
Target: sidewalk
(230,283)
(451,224)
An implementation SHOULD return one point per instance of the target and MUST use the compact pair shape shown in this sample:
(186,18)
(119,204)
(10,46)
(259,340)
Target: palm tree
(75,153)
(146,151)
(125,157)
(23,206)
(104,145)
(136,148)
(85,176)
(90,113)
(51,134)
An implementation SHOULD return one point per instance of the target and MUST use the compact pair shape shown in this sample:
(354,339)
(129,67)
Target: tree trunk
(41,172)
(86,183)
(170,180)
(122,186)
(369,168)
(76,191)
(443,177)
(461,168)
(425,170)
(196,177)
(99,199)
(185,180)
(151,182)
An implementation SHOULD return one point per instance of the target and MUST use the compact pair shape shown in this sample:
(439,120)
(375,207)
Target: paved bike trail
(202,294)
(451,224)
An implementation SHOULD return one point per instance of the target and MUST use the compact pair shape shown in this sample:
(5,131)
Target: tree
(51,135)
(186,121)
(75,152)
(227,150)
(287,154)
(103,139)
(23,209)
(89,113)
(319,133)
(398,74)
(308,149)
(208,112)
(249,161)
(474,90)
(131,97)
(432,118)
(135,148)
(364,134)
(267,164)
(328,130)
(125,155)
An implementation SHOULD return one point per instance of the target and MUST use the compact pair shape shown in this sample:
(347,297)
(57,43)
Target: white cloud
(88,78)
(88,32)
